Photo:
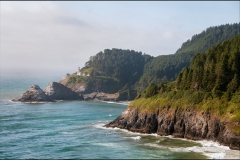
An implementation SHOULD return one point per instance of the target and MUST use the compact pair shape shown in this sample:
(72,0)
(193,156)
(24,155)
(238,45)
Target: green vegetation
(86,70)
(130,73)
(211,83)
(74,78)
(102,84)
(166,67)
(123,65)
(116,70)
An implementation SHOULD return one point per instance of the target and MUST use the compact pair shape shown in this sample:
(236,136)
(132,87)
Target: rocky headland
(80,88)
(188,123)
(202,103)
(54,91)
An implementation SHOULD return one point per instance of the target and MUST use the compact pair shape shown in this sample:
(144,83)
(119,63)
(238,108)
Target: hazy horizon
(54,38)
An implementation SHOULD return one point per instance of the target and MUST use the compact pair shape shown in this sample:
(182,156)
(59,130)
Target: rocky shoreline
(182,123)
(54,91)
(188,123)
(57,91)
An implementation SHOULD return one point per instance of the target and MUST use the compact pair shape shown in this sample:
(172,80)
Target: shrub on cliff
(210,83)
(151,90)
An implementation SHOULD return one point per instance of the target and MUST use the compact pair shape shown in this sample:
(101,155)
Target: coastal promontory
(202,103)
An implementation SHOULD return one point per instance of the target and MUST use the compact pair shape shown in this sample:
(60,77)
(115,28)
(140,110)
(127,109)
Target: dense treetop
(129,72)
(211,83)
(123,65)
(166,67)
(216,71)
(115,70)
(208,38)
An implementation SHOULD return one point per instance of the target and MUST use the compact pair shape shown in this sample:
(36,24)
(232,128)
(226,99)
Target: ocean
(75,129)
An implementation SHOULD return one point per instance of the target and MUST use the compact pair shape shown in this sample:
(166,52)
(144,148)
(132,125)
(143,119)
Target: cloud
(46,37)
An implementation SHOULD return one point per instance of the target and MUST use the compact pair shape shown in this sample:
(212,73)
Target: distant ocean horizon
(75,129)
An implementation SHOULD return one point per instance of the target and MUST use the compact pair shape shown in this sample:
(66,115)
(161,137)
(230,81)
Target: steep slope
(203,103)
(127,73)
(111,71)
(166,67)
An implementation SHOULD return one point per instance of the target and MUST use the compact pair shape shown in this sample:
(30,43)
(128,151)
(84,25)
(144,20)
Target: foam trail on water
(135,138)
(210,149)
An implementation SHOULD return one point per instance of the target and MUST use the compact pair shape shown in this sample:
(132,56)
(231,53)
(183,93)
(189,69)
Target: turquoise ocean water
(74,129)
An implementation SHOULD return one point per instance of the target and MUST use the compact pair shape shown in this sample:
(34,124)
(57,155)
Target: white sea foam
(111,145)
(109,102)
(211,149)
(135,138)
(120,102)
(66,133)
(100,125)
(35,102)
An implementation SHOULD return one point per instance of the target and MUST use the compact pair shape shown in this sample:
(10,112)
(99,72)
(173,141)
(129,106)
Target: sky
(46,38)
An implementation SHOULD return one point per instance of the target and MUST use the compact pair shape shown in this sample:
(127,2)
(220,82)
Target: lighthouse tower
(79,72)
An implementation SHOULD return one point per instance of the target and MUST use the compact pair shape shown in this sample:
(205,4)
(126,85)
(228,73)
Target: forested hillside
(128,72)
(203,103)
(216,72)
(211,83)
(115,70)
(166,67)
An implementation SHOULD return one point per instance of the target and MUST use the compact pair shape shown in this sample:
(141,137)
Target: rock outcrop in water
(54,91)
(187,123)
(34,94)
(58,91)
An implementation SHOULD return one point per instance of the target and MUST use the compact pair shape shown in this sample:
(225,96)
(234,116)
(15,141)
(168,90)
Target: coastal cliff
(202,103)
(81,88)
(58,91)
(188,123)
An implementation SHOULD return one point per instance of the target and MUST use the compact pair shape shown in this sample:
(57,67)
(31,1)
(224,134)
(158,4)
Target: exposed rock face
(54,91)
(33,94)
(179,123)
(64,78)
(101,96)
(58,91)
(75,87)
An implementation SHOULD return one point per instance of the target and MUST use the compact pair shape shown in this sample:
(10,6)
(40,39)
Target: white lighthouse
(79,72)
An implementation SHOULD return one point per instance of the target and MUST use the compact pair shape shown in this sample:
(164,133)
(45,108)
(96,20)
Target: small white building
(79,73)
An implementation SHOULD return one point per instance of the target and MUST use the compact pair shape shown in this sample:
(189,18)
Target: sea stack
(34,94)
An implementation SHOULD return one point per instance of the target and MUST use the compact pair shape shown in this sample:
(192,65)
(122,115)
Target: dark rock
(34,94)
(58,91)
(187,123)
(101,96)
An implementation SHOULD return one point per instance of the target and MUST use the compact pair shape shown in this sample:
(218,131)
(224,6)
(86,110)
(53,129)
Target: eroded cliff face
(34,94)
(182,123)
(58,91)
(75,87)
(101,96)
